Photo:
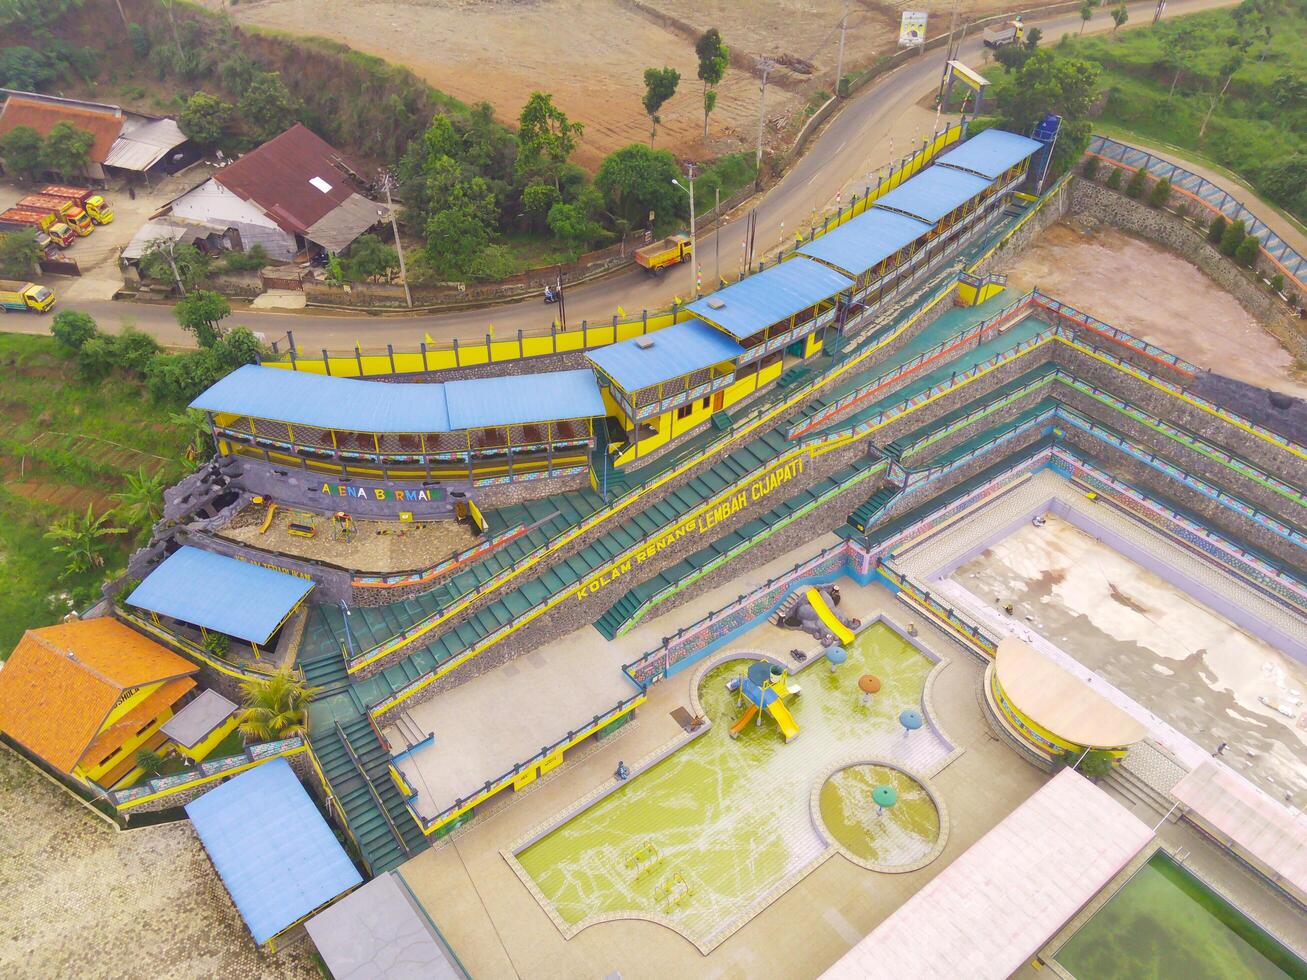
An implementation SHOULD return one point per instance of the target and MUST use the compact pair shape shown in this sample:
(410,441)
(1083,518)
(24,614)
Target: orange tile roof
(61,682)
(44,116)
(112,737)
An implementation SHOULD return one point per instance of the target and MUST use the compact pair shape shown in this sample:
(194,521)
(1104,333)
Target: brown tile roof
(43,116)
(61,682)
(277,178)
(112,737)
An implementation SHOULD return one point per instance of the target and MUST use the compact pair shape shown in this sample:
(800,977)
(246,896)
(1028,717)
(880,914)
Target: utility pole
(694,245)
(766,64)
(839,60)
(386,180)
(717,239)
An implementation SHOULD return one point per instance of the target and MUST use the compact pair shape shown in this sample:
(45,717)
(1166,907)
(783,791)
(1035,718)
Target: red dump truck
(95,205)
(67,212)
(16,219)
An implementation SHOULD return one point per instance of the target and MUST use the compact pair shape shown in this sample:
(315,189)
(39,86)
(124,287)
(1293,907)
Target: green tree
(1086,14)
(1219,87)
(714,57)
(1284,181)
(19,253)
(26,68)
(369,256)
(206,120)
(266,106)
(140,502)
(537,198)
(545,137)
(72,329)
(1045,83)
(201,313)
(195,425)
(659,86)
(636,180)
(461,217)
(148,761)
(1248,251)
(81,539)
(1114,178)
(1090,169)
(1119,16)
(23,151)
(1216,230)
(67,149)
(236,348)
(167,260)
(1179,48)
(1137,185)
(134,350)
(574,223)
(1161,193)
(275,706)
(1232,238)
(98,357)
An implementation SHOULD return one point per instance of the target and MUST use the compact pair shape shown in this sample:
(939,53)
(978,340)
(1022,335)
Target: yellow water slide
(784,719)
(827,617)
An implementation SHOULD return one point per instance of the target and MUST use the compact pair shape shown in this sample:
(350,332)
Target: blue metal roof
(301,398)
(857,245)
(933,193)
(990,153)
(522,398)
(681,349)
(769,297)
(272,848)
(220,593)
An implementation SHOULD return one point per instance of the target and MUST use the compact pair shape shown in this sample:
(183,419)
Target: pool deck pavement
(500,930)
(557,688)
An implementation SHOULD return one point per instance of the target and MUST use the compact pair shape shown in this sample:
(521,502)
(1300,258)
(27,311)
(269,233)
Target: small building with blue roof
(215,593)
(275,853)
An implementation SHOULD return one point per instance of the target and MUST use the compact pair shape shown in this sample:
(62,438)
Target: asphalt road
(883,121)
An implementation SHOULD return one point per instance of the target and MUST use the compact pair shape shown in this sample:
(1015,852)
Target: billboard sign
(912,29)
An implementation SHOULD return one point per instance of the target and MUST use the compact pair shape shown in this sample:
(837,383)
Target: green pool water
(900,835)
(707,832)
(1164,924)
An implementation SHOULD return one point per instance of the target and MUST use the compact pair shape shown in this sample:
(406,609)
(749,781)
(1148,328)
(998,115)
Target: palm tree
(275,706)
(81,540)
(141,503)
(199,441)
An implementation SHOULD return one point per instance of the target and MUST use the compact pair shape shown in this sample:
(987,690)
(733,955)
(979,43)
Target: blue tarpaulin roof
(990,153)
(522,398)
(859,244)
(272,848)
(301,398)
(769,297)
(672,352)
(220,593)
(933,193)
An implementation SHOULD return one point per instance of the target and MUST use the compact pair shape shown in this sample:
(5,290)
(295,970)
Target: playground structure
(762,687)
(812,611)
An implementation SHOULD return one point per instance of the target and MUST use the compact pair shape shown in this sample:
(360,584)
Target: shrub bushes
(1247,252)
(1114,178)
(1138,184)
(1232,238)
(1216,230)
(1090,169)
(1160,196)
(72,329)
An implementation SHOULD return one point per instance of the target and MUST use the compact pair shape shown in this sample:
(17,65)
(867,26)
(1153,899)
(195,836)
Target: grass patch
(730,173)
(63,443)
(1256,129)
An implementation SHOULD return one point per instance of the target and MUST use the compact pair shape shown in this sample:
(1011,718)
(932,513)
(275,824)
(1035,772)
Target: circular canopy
(869,683)
(911,719)
(836,655)
(885,795)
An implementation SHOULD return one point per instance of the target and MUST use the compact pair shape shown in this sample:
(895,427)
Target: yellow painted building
(85,696)
(1050,709)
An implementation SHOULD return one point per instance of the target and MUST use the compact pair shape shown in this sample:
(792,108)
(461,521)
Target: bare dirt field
(1175,656)
(1158,296)
(591,54)
(83,899)
(376,546)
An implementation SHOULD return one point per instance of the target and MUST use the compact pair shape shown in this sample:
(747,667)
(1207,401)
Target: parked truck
(24,297)
(658,256)
(68,212)
(16,219)
(95,205)
(1008,32)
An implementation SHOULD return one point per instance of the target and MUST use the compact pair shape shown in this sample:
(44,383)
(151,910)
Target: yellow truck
(658,256)
(24,297)
(95,205)
(65,210)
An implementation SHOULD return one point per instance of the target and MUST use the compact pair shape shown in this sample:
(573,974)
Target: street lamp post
(694,245)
